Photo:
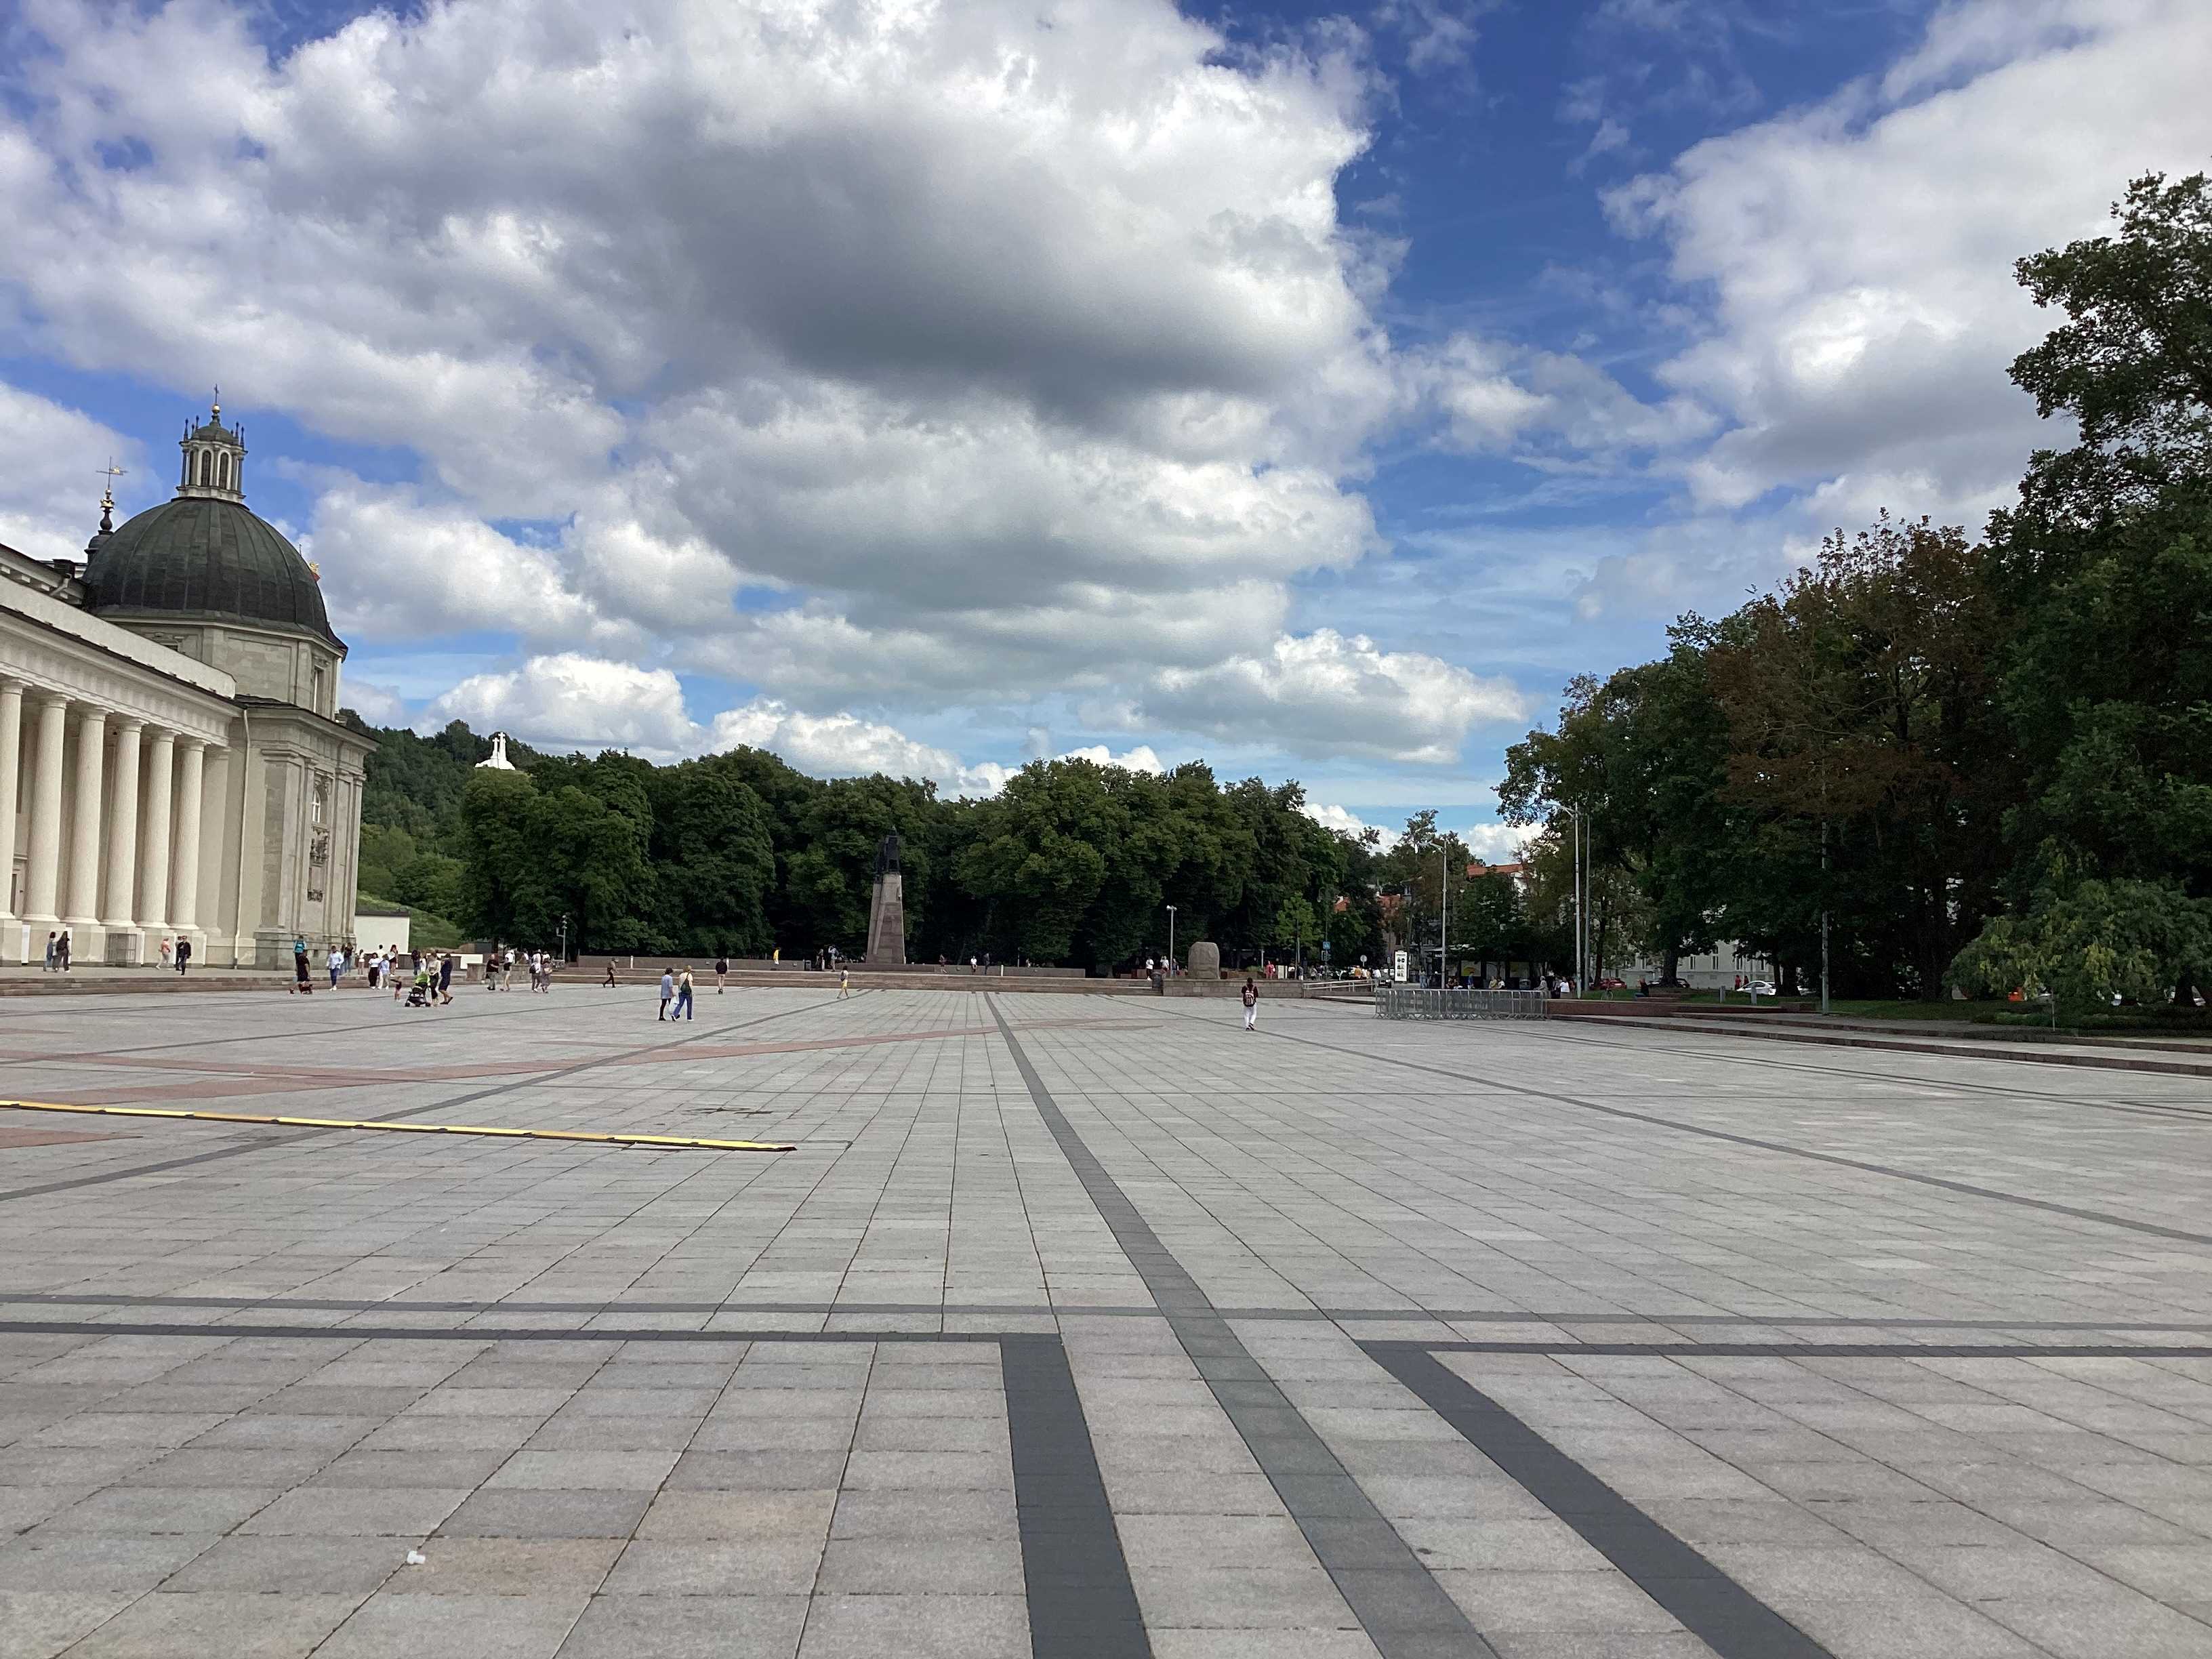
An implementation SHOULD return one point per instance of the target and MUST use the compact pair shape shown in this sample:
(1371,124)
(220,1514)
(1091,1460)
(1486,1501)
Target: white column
(122,829)
(161,775)
(83,910)
(42,880)
(184,904)
(11,757)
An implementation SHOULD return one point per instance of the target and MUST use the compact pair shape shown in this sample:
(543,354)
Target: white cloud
(1545,406)
(1006,349)
(380,705)
(1494,843)
(1139,759)
(1348,822)
(844,745)
(1859,253)
(49,490)
(571,701)
(1326,693)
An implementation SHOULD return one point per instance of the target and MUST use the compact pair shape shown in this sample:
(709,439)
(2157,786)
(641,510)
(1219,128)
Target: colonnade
(149,854)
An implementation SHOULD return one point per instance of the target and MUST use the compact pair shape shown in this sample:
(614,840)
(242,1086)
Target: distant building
(171,763)
(1719,970)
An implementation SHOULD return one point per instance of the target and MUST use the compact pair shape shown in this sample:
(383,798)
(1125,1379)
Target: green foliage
(2131,941)
(1984,763)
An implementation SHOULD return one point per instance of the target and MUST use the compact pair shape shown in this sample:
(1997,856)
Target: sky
(932,387)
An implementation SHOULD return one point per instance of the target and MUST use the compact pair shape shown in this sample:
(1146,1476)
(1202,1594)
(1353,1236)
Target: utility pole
(1824,912)
(1171,955)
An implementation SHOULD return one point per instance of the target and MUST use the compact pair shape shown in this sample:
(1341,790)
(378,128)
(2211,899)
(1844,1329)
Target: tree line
(1986,761)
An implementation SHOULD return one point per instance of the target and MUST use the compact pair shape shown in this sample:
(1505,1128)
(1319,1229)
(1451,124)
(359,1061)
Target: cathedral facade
(172,764)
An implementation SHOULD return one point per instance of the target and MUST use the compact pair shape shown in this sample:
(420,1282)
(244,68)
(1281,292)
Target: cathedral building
(172,764)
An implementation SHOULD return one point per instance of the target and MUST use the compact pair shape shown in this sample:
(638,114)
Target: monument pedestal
(887,920)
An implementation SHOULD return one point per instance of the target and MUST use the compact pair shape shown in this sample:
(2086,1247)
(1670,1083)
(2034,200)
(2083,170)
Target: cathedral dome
(203,557)
(206,559)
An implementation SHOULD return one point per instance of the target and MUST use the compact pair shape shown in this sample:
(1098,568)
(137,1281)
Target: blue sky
(1311,390)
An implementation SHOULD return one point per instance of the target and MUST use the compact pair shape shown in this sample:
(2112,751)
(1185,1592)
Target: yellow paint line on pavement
(683,1142)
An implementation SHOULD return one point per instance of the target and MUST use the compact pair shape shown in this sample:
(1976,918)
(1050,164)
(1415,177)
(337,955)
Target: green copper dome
(208,559)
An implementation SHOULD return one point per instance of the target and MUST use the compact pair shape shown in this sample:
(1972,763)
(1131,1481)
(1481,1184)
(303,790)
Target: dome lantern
(215,459)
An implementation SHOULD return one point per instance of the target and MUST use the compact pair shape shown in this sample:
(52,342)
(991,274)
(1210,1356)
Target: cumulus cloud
(1494,843)
(571,701)
(844,745)
(380,705)
(49,492)
(989,350)
(1348,822)
(1545,408)
(1327,693)
(1859,253)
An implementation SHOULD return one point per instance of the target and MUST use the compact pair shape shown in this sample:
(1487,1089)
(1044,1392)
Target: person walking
(683,1009)
(667,991)
(183,952)
(62,951)
(721,968)
(53,951)
(445,976)
(168,949)
(300,983)
(336,964)
(399,979)
(844,983)
(611,973)
(1251,1005)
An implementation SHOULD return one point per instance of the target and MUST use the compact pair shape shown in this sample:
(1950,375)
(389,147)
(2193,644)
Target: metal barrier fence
(1419,1002)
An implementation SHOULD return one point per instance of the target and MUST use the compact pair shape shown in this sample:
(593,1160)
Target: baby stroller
(418,995)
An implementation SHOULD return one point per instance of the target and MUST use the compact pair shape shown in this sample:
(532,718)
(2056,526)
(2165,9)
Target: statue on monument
(887,856)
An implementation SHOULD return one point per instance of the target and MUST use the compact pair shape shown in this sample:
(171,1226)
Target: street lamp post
(1576,813)
(1443,916)
(1171,955)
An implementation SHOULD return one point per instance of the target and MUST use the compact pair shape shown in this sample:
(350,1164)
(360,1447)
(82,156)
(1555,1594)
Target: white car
(1760,988)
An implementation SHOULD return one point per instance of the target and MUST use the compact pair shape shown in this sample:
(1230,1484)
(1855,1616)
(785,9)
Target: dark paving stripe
(1081,1603)
(1405,1612)
(2101,1217)
(263,1143)
(1728,1617)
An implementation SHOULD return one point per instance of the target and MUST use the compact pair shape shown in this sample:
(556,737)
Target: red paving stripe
(244,1077)
(49,1137)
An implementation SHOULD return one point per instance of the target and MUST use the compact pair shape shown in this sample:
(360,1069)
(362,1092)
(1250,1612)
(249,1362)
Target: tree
(2095,942)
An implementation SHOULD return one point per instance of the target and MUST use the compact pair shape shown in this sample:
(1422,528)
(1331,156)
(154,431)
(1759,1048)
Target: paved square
(1089,1325)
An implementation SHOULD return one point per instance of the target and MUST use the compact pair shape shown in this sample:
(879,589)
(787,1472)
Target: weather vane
(110,473)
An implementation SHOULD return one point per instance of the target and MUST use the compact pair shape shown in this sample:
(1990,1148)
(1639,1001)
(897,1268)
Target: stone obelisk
(887,907)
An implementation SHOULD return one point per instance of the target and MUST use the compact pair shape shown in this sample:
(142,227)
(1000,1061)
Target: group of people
(61,951)
(501,966)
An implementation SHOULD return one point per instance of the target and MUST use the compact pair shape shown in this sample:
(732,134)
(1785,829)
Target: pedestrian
(445,976)
(62,952)
(167,950)
(300,967)
(399,979)
(721,968)
(844,983)
(667,991)
(611,973)
(183,952)
(683,1009)
(53,951)
(336,964)
(1251,1005)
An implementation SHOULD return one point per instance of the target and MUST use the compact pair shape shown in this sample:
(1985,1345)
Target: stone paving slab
(1086,1326)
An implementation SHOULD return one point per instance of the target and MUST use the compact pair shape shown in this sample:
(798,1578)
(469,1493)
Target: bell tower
(215,459)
